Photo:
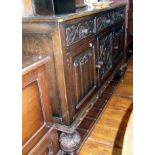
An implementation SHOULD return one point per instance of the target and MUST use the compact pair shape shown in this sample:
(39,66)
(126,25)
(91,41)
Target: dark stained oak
(84,51)
(82,55)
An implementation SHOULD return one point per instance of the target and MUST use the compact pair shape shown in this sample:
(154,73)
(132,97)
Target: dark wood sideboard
(86,50)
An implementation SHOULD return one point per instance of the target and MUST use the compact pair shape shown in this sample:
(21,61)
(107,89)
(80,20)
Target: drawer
(104,20)
(78,30)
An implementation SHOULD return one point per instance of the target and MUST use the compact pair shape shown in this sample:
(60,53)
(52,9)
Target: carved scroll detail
(82,59)
(78,31)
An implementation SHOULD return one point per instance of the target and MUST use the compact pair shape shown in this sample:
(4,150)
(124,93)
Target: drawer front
(79,30)
(83,73)
(104,63)
(119,15)
(104,20)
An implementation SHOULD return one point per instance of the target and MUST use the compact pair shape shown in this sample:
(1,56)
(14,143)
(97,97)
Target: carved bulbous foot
(69,143)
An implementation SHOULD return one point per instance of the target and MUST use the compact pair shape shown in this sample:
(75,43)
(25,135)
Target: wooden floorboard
(107,136)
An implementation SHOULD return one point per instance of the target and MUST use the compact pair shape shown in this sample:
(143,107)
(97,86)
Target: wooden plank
(124,90)
(128,78)
(103,134)
(120,103)
(94,148)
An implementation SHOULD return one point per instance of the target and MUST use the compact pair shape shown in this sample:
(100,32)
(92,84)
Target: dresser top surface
(79,13)
(30,63)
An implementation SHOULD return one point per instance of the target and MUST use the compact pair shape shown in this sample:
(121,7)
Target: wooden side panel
(36,107)
(36,39)
(32,117)
(47,145)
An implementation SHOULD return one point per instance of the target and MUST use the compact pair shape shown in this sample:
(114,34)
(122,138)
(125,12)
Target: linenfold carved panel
(77,31)
(83,73)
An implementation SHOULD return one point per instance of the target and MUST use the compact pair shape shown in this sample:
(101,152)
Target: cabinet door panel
(118,43)
(104,63)
(83,72)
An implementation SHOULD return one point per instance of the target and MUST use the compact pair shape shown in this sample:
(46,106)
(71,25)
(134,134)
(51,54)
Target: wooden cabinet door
(118,43)
(82,73)
(104,58)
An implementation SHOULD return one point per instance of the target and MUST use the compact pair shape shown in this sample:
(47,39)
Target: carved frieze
(77,31)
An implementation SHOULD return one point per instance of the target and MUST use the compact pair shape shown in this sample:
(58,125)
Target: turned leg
(69,143)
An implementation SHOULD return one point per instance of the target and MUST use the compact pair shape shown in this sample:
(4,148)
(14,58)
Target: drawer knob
(108,21)
(76,63)
(90,44)
(98,66)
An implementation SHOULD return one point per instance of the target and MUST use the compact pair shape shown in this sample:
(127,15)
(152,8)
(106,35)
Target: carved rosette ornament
(69,143)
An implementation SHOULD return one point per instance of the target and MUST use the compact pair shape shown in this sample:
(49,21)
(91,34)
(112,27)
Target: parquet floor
(107,135)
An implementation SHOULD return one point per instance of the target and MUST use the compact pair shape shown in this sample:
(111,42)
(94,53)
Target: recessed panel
(32,117)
